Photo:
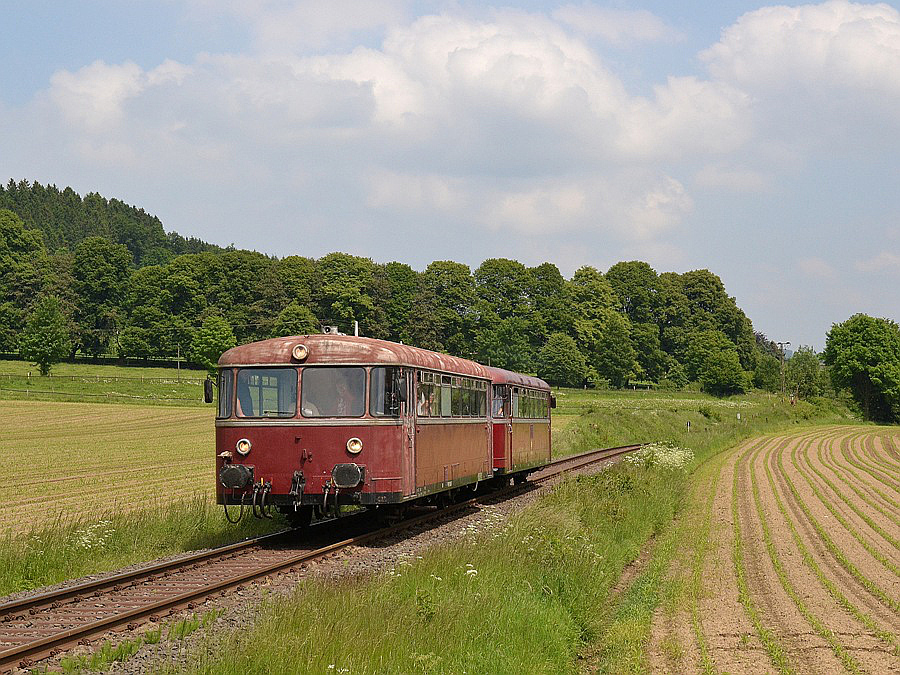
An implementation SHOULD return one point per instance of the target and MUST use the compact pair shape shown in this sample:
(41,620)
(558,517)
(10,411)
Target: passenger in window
(347,401)
(245,401)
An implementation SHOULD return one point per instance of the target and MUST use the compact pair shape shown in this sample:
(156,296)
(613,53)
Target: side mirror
(401,389)
(552,401)
(207,390)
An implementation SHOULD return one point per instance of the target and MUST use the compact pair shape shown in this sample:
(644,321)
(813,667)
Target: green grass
(20,380)
(85,459)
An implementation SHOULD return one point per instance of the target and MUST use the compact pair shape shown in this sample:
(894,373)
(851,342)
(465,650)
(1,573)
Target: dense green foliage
(45,340)
(127,288)
(863,355)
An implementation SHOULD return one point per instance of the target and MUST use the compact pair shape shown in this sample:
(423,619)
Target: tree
(443,320)
(560,363)
(45,340)
(637,287)
(505,345)
(722,374)
(767,374)
(803,373)
(210,340)
(295,319)
(345,295)
(100,272)
(863,355)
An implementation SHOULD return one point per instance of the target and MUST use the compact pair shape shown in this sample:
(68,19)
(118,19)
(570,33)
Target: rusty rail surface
(42,625)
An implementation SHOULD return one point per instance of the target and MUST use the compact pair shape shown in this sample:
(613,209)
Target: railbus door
(408,410)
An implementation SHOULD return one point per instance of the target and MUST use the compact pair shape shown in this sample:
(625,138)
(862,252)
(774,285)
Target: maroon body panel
(278,451)
(450,452)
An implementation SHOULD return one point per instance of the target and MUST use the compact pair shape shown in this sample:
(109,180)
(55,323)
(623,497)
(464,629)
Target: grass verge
(71,548)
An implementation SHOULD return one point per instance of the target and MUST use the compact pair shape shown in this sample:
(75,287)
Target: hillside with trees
(127,288)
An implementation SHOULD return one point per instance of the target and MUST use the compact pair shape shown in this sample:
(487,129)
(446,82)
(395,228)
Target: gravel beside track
(802,574)
(239,607)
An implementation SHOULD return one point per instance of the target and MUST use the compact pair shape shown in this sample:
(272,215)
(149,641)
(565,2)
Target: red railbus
(317,421)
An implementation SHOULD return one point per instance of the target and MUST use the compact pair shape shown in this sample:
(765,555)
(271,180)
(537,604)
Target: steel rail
(23,655)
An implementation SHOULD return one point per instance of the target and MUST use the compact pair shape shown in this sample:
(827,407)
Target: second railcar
(521,423)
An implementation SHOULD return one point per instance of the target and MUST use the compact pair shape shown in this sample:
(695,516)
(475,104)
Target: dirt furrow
(772,580)
(831,457)
(856,641)
(874,524)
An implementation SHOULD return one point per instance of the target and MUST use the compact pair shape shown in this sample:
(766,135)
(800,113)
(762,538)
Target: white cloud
(816,268)
(508,124)
(819,70)
(732,178)
(94,96)
(617,26)
(885,261)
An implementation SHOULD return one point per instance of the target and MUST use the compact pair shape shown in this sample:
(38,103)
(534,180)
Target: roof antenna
(356,328)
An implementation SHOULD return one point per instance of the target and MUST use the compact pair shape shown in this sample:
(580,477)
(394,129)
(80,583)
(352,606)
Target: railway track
(44,625)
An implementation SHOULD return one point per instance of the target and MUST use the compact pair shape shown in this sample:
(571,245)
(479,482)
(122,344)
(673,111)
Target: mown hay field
(82,461)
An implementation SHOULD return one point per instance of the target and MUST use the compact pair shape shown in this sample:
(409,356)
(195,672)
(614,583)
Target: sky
(761,142)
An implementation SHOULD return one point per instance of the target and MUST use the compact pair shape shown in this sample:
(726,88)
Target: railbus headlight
(300,352)
(243,446)
(354,446)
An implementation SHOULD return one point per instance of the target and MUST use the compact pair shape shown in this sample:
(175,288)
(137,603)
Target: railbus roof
(501,376)
(335,350)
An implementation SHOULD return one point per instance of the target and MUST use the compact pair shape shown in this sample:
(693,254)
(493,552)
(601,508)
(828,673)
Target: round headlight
(300,352)
(243,446)
(354,446)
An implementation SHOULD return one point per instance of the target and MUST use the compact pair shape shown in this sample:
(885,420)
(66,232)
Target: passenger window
(333,392)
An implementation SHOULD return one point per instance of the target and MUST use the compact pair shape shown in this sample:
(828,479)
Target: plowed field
(793,562)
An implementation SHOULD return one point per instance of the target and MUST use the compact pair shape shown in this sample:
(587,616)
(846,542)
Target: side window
(456,397)
(425,401)
(384,395)
(446,408)
(226,382)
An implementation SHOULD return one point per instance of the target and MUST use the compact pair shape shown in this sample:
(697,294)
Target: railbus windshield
(333,392)
(266,392)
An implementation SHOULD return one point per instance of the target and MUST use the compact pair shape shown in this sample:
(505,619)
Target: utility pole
(781,346)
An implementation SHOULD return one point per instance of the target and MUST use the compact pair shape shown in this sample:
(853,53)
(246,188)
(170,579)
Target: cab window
(226,382)
(384,392)
(333,392)
(266,392)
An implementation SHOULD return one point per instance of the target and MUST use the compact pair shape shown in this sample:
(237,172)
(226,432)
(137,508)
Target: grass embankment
(470,608)
(82,382)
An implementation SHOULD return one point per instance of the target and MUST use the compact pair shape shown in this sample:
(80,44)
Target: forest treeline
(125,287)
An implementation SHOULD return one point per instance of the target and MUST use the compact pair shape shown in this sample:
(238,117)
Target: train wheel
(390,514)
(519,478)
(298,519)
